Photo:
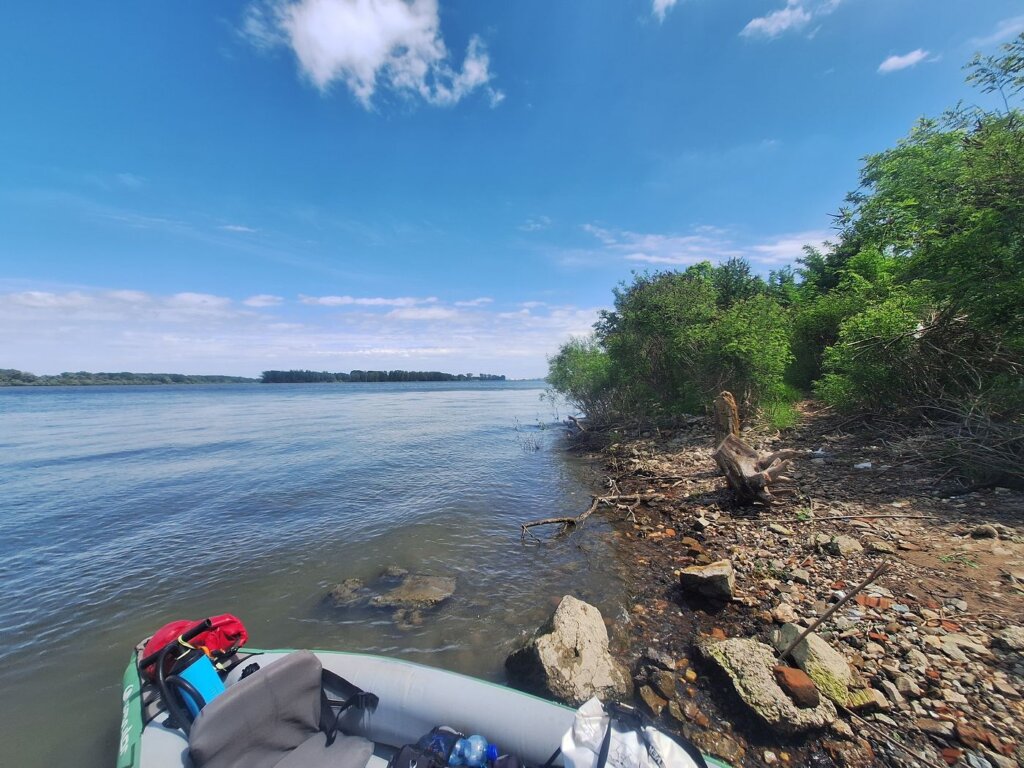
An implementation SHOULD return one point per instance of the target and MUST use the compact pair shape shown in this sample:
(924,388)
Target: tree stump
(748,473)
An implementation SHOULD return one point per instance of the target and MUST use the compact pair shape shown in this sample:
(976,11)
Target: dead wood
(727,416)
(748,473)
(619,501)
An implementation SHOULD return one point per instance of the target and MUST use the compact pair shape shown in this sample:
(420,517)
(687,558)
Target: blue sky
(335,184)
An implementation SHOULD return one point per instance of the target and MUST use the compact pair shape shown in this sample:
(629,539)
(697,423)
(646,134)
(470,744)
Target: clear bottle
(473,752)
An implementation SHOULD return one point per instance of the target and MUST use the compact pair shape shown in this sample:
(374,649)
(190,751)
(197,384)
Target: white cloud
(197,301)
(536,224)
(345,301)
(237,228)
(422,313)
(660,7)
(796,15)
(896,63)
(475,302)
(793,16)
(367,44)
(47,331)
(1004,30)
(705,244)
(47,300)
(263,300)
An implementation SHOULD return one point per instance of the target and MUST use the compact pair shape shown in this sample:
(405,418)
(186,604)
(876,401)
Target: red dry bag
(225,636)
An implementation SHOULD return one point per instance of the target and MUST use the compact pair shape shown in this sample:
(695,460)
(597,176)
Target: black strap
(351,696)
(602,756)
(554,756)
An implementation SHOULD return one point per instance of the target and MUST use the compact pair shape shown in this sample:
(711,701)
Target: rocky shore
(925,666)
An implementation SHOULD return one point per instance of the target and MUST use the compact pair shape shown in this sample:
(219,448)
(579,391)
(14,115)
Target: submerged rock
(417,590)
(750,665)
(715,581)
(568,657)
(347,593)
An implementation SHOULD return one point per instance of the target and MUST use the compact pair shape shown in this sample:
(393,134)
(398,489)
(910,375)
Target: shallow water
(126,507)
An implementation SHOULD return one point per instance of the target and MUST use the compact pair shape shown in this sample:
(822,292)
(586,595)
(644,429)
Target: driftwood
(748,473)
(620,501)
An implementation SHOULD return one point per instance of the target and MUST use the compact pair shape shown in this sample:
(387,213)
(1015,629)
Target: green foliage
(916,309)
(674,340)
(10,377)
(581,373)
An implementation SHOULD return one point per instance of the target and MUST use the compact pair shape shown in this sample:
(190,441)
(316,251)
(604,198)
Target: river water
(122,508)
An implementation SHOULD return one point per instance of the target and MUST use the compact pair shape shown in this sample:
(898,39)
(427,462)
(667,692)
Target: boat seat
(271,719)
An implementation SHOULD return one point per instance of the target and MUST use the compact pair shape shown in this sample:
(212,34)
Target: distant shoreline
(11,377)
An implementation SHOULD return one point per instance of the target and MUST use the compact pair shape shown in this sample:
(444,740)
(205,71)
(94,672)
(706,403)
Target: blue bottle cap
(492,753)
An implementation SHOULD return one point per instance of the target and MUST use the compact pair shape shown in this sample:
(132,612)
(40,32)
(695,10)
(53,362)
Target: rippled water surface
(126,507)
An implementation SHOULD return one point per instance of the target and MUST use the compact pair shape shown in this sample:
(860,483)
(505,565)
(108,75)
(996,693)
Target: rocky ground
(924,667)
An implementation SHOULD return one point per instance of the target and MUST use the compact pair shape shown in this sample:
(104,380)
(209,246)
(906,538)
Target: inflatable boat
(314,709)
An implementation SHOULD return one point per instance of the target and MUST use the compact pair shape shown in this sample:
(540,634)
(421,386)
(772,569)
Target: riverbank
(931,643)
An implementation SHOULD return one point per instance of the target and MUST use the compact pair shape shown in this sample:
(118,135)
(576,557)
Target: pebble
(769,757)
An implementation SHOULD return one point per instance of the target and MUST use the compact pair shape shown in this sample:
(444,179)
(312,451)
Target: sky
(230,187)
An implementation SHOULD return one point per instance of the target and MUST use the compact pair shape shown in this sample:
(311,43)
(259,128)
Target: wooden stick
(881,734)
(572,522)
(879,570)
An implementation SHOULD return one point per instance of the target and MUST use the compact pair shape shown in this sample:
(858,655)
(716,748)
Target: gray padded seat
(271,719)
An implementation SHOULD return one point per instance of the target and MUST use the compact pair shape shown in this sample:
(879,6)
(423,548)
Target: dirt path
(927,637)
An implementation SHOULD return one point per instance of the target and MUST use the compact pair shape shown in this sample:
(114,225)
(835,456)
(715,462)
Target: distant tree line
(10,377)
(305,377)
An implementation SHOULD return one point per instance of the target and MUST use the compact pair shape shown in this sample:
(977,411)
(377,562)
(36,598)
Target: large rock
(1010,638)
(417,591)
(749,664)
(826,666)
(568,657)
(715,581)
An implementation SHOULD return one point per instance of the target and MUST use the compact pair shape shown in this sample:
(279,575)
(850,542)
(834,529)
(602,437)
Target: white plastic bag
(627,748)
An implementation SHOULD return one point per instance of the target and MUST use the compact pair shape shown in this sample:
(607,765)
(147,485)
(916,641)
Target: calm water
(126,507)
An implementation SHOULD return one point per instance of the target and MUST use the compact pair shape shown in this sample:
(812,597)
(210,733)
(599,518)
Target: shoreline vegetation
(871,615)
(912,316)
(10,377)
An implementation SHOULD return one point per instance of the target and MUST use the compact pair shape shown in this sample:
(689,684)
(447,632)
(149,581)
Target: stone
(843,546)
(985,531)
(781,529)
(881,547)
(1010,639)
(824,664)
(347,593)
(720,745)
(769,757)
(568,658)
(715,581)
(801,576)
(664,683)
(798,686)
(783,614)
(659,659)
(748,664)
(907,687)
(417,590)
(941,728)
(394,572)
(651,700)
(867,700)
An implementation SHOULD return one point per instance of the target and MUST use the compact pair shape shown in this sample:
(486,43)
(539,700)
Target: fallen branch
(884,736)
(761,520)
(879,570)
(616,500)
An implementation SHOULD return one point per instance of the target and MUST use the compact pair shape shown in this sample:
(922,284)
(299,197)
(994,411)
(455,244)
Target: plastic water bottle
(473,752)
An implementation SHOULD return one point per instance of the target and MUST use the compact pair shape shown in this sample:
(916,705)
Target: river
(127,507)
